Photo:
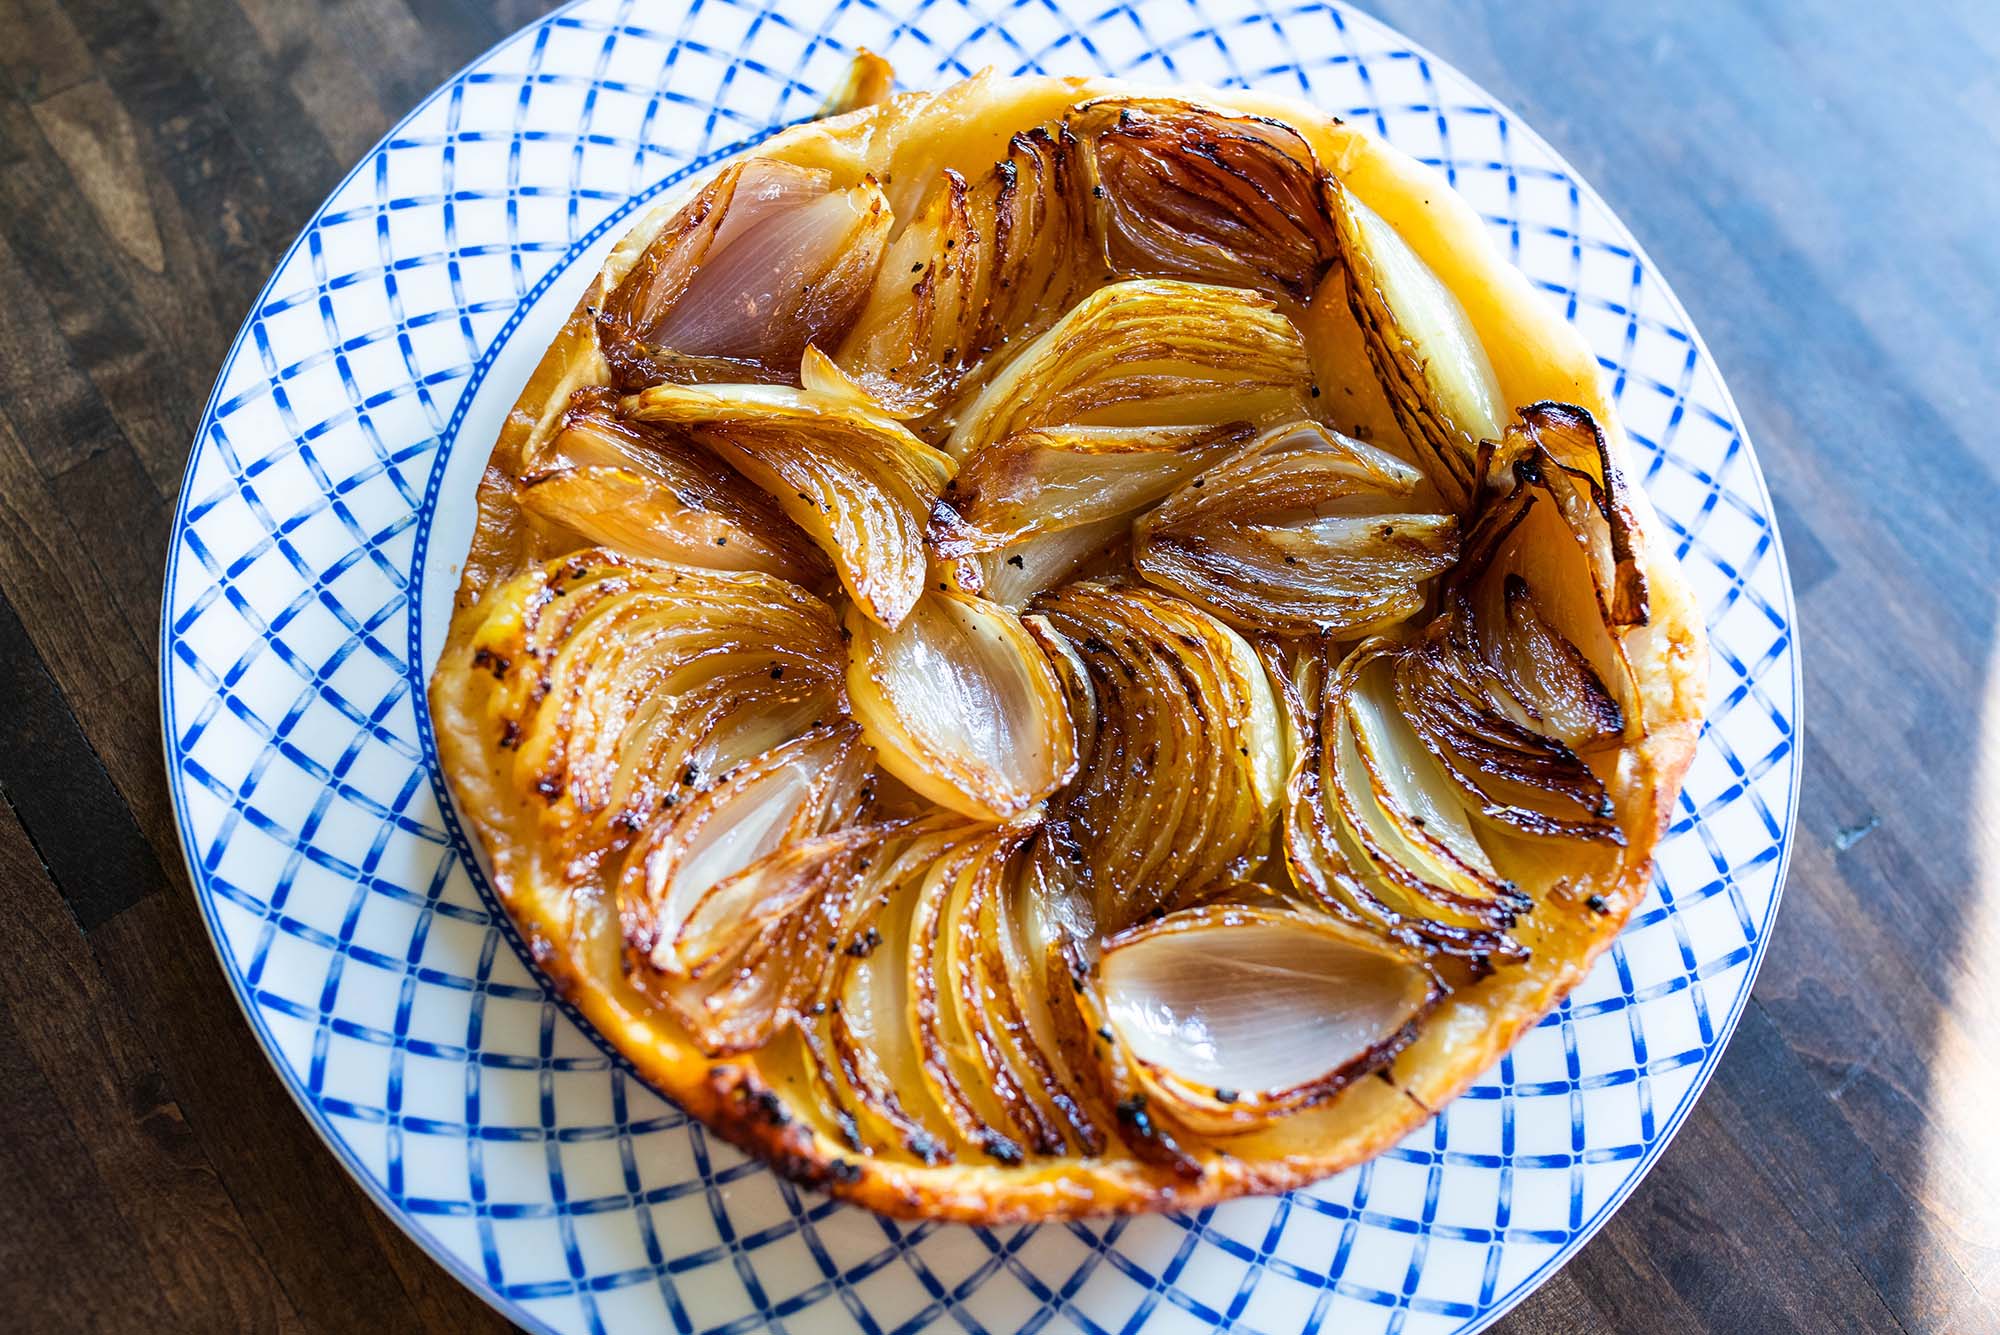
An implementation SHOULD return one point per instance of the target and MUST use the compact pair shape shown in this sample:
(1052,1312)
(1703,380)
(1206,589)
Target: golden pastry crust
(1536,356)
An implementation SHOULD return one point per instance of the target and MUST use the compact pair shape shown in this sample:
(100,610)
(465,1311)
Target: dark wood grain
(1818,180)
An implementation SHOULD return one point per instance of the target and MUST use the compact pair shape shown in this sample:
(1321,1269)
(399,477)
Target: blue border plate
(309,576)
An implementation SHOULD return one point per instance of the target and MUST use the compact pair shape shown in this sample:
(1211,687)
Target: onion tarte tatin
(1022,640)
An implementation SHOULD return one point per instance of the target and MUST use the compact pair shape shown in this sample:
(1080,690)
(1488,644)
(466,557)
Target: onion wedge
(980,267)
(1506,771)
(868,1021)
(1425,351)
(1400,806)
(1343,869)
(792,793)
(623,686)
(1013,575)
(1305,532)
(962,706)
(648,492)
(768,258)
(1149,352)
(1234,1016)
(1532,671)
(1185,191)
(1182,771)
(860,485)
(1564,451)
(1046,480)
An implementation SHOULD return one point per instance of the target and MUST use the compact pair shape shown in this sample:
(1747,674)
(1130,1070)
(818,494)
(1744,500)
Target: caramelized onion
(1572,461)
(1233,1016)
(1505,770)
(1181,773)
(1185,191)
(1550,530)
(1398,802)
(979,266)
(1046,480)
(1147,352)
(645,492)
(1341,865)
(766,259)
(1424,348)
(962,1059)
(623,685)
(765,948)
(791,793)
(1014,574)
(962,706)
(1306,531)
(860,485)
(1016,931)
(1536,672)
(869,1020)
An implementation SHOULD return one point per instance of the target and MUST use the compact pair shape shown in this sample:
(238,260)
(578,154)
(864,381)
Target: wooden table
(1822,185)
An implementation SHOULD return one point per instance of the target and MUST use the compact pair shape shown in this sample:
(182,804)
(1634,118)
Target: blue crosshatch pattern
(391,992)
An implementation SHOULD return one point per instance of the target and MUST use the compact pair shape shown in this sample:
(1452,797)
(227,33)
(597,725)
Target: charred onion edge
(1626,603)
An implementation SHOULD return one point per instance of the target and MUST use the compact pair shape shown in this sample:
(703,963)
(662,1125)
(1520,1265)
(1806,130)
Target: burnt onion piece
(1231,1017)
(1147,352)
(767,258)
(624,686)
(859,484)
(1181,761)
(981,266)
(962,706)
(1305,532)
(1425,351)
(649,492)
(1186,191)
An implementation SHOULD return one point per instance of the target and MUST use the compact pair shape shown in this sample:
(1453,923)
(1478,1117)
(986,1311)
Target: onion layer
(647,492)
(1234,1016)
(980,266)
(1046,480)
(1331,820)
(1424,348)
(1561,448)
(623,686)
(1014,574)
(791,794)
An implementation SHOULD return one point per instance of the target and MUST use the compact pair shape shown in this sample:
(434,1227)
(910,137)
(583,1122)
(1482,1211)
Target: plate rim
(434,1248)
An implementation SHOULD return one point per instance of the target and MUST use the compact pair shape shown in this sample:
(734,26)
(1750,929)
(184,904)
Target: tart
(1054,647)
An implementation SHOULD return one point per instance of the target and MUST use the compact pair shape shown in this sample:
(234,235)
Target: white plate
(317,540)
